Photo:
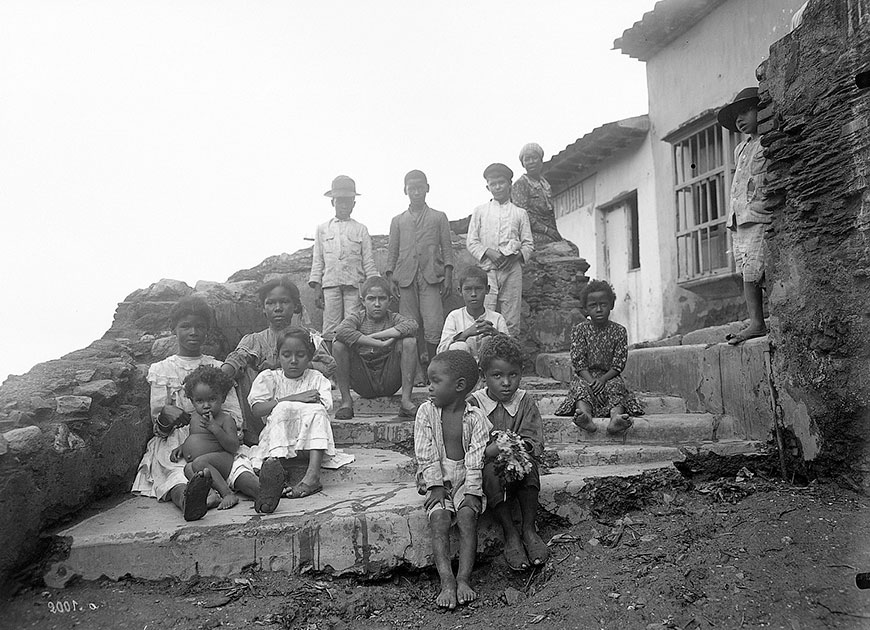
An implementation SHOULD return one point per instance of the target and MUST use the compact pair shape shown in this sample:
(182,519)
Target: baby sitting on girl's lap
(213,440)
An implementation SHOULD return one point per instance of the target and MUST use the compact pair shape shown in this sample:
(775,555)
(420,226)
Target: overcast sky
(188,140)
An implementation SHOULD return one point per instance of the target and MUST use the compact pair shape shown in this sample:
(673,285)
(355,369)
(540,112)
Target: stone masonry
(814,120)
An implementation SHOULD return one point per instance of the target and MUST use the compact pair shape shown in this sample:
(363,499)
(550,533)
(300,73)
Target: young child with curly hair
(599,350)
(510,409)
(449,437)
(213,441)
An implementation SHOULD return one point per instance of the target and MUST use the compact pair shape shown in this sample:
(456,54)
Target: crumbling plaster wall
(814,122)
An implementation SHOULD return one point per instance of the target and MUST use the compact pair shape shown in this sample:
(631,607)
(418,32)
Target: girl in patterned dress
(599,350)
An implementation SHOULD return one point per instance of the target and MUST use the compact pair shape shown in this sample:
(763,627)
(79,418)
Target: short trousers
(497,491)
(453,474)
(376,375)
(748,245)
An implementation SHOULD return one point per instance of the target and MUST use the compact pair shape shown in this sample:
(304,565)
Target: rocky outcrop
(814,121)
(75,428)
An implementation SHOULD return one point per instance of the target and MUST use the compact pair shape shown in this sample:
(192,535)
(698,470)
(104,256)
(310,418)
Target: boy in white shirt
(500,237)
(467,327)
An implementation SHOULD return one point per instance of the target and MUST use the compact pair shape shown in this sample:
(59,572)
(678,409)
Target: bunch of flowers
(513,461)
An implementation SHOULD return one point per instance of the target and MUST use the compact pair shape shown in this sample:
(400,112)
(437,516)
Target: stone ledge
(365,529)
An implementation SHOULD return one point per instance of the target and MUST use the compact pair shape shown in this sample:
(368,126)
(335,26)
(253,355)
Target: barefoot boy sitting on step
(449,438)
(214,440)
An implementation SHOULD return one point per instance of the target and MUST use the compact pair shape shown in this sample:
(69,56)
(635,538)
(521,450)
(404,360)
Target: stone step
(374,465)
(590,454)
(682,428)
(548,399)
(348,528)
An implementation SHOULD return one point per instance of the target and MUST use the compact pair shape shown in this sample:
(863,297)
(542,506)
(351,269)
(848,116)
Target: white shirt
(460,320)
(503,227)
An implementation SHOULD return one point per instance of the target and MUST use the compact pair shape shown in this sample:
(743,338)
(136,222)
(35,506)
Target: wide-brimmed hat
(342,186)
(728,115)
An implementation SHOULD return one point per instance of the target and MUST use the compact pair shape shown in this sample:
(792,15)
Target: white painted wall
(638,293)
(702,69)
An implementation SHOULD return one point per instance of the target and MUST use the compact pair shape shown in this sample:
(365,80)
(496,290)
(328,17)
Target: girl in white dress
(295,401)
(160,477)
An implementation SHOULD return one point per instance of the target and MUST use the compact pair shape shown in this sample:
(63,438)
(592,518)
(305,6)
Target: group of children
(474,369)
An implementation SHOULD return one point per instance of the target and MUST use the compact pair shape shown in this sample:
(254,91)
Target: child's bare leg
(248,484)
(467,518)
(535,546)
(312,474)
(754,295)
(341,354)
(439,526)
(514,552)
(619,420)
(409,370)
(219,466)
(583,417)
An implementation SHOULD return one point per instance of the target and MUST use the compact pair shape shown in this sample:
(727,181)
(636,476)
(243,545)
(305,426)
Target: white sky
(188,140)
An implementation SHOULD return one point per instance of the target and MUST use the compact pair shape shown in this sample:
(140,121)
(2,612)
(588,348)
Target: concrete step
(348,528)
(548,398)
(590,454)
(684,428)
(372,465)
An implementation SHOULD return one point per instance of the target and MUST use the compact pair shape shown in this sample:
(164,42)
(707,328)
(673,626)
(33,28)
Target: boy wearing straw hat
(342,258)
(748,218)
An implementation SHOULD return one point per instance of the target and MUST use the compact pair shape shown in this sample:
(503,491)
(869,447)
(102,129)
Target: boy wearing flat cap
(420,261)
(748,218)
(500,237)
(342,258)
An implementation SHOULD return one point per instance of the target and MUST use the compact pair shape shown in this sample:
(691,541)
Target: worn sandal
(195,495)
(408,413)
(302,490)
(271,486)
(344,413)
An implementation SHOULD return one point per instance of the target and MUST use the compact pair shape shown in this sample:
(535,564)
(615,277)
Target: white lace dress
(292,426)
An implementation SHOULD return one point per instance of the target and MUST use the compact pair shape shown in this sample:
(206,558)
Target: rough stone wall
(814,122)
(73,429)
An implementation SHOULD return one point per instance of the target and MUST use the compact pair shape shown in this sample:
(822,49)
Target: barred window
(702,172)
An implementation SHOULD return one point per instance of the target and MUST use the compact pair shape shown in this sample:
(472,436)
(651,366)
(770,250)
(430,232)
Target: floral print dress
(599,349)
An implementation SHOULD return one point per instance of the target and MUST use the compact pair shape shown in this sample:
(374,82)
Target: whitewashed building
(645,199)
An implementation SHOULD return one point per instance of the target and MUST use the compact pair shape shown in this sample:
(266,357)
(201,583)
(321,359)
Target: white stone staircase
(369,517)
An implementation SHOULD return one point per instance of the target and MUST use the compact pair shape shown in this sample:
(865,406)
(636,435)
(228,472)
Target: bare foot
(464,593)
(584,421)
(447,597)
(619,423)
(515,553)
(228,501)
(536,548)
(213,500)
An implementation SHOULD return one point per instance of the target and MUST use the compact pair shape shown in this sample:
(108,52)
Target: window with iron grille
(702,173)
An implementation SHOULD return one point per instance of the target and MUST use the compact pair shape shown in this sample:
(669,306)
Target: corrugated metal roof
(657,28)
(600,144)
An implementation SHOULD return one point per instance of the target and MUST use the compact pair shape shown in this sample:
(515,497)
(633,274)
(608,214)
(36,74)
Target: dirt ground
(728,553)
